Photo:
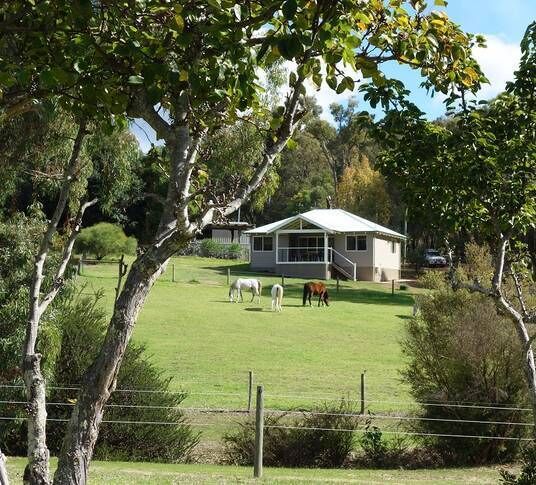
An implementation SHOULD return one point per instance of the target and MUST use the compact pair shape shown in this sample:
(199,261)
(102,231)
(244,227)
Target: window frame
(262,250)
(357,238)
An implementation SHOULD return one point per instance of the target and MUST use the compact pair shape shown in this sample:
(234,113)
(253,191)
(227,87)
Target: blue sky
(502,22)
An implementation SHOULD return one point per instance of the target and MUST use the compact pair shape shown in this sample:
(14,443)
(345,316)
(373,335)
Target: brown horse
(314,288)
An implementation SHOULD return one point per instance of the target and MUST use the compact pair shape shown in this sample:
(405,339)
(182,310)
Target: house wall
(361,258)
(377,263)
(262,260)
(313,271)
(387,263)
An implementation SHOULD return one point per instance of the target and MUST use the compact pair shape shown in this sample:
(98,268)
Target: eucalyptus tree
(188,68)
(478,174)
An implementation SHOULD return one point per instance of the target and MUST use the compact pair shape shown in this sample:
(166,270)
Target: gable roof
(332,221)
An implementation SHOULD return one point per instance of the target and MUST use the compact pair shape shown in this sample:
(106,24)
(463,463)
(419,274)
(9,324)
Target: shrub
(528,469)
(211,249)
(379,452)
(403,287)
(82,324)
(460,350)
(295,443)
(233,251)
(105,239)
(433,280)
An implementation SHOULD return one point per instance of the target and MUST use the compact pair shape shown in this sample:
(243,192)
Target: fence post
(337,283)
(282,280)
(228,276)
(259,431)
(173,273)
(81,264)
(393,287)
(250,390)
(363,392)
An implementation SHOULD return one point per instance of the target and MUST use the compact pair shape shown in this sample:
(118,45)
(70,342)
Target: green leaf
(291,144)
(290,7)
(440,3)
(290,47)
(179,22)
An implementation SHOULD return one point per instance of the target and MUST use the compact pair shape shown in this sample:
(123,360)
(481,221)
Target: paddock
(208,345)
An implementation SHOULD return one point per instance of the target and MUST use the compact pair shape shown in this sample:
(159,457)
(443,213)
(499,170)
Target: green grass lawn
(301,356)
(119,473)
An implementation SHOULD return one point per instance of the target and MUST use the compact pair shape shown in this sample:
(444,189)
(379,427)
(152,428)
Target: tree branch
(141,107)
(66,256)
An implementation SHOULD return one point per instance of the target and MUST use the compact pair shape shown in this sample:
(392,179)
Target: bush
(82,324)
(105,239)
(294,444)
(433,280)
(379,453)
(233,251)
(213,249)
(528,469)
(460,350)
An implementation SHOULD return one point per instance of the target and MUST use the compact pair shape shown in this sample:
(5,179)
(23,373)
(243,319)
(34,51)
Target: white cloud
(498,62)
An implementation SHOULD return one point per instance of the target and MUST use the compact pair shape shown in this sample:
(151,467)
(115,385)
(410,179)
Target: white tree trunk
(174,232)
(37,469)
(4,479)
(100,380)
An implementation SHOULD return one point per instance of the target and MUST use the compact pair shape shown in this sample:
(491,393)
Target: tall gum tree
(477,174)
(187,68)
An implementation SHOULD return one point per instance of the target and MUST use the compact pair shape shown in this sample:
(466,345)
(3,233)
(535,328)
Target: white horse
(255,286)
(277,297)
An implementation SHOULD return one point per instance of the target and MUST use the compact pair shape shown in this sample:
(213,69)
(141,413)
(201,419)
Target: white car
(432,257)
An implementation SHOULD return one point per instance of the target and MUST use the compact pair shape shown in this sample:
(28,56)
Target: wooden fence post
(259,432)
(173,273)
(228,276)
(337,283)
(283,280)
(363,392)
(393,287)
(250,390)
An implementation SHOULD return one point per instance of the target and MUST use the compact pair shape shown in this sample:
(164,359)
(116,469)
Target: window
(262,243)
(393,247)
(356,243)
(311,242)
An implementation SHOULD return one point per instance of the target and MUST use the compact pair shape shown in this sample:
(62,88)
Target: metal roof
(332,221)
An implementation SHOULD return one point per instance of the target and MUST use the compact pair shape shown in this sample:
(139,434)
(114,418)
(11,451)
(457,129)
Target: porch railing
(301,255)
(343,264)
(317,255)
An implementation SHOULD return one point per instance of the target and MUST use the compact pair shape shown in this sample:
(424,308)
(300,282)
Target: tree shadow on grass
(355,295)
(253,309)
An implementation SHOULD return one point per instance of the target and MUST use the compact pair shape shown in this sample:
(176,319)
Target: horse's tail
(305,290)
(280,294)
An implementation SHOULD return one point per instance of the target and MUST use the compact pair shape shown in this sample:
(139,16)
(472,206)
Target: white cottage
(323,242)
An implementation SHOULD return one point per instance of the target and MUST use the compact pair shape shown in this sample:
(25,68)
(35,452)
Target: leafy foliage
(105,239)
(461,351)
(363,190)
(528,469)
(292,442)
(81,323)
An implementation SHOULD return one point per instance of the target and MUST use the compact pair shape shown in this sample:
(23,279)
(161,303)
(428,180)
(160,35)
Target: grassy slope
(118,473)
(208,345)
